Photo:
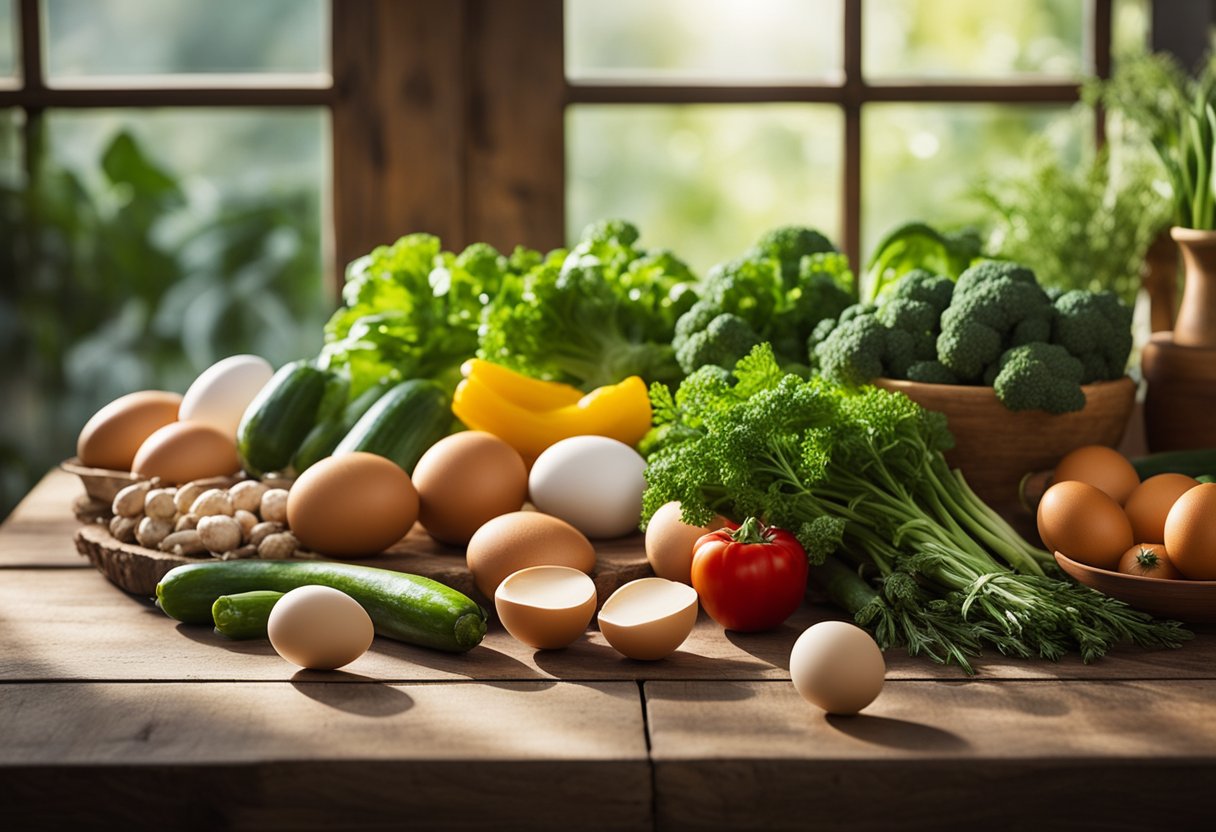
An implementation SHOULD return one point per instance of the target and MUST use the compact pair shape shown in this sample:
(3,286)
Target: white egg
(837,666)
(592,482)
(319,628)
(220,394)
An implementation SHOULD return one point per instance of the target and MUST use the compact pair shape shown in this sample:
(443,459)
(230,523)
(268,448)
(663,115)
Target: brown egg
(1151,502)
(1085,524)
(1149,560)
(515,541)
(670,541)
(1190,533)
(546,607)
(352,505)
(1104,468)
(465,479)
(183,451)
(113,435)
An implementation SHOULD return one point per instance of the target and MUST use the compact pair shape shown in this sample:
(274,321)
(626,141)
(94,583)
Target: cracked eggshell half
(546,607)
(648,619)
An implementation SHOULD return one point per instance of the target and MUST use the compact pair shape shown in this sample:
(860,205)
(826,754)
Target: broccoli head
(725,340)
(1096,327)
(991,301)
(1039,376)
(926,287)
(853,352)
(906,314)
(931,372)
(789,244)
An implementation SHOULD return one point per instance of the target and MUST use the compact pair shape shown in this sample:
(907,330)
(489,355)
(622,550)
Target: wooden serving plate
(1191,601)
(137,569)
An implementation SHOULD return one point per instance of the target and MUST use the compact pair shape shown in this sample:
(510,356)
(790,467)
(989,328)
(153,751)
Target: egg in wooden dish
(1150,504)
(1085,524)
(352,505)
(466,479)
(515,541)
(1190,533)
(1104,468)
(181,452)
(648,619)
(114,434)
(546,607)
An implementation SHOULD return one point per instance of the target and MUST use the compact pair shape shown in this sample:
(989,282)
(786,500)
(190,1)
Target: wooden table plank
(70,625)
(34,534)
(936,755)
(315,754)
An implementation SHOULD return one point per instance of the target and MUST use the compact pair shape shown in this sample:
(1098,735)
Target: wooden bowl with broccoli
(995,447)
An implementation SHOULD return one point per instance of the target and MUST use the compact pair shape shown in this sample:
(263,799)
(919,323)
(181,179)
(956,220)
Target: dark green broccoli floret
(723,342)
(789,244)
(933,289)
(1040,377)
(1031,330)
(1096,328)
(990,302)
(966,347)
(748,287)
(853,352)
(910,315)
(695,319)
(857,310)
(899,353)
(931,372)
(988,377)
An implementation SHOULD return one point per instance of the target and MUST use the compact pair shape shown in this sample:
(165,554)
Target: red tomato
(750,578)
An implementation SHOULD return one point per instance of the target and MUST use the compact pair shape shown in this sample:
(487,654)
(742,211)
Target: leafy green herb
(899,539)
(916,245)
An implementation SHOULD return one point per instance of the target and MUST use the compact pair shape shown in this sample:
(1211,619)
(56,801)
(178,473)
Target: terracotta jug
(1180,366)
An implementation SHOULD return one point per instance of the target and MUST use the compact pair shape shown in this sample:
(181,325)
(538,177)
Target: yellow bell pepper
(524,391)
(620,411)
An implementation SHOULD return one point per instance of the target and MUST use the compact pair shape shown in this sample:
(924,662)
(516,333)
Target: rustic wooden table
(113,715)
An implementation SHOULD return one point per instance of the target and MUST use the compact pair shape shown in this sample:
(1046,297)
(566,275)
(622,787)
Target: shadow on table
(352,693)
(896,733)
(203,634)
(771,647)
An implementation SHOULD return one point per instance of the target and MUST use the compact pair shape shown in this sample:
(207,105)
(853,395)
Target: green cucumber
(326,435)
(244,615)
(404,607)
(281,415)
(1194,463)
(406,421)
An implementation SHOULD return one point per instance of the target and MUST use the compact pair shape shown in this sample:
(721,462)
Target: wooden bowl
(1191,601)
(995,447)
(101,484)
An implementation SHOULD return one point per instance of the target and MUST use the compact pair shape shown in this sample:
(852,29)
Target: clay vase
(1195,325)
(1180,366)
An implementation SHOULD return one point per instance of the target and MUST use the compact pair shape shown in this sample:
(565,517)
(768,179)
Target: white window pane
(88,40)
(704,180)
(708,40)
(921,161)
(936,39)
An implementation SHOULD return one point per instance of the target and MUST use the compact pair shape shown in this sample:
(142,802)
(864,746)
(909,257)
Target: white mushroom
(278,546)
(219,532)
(212,502)
(247,495)
(152,530)
(160,504)
(129,502)
(274,505)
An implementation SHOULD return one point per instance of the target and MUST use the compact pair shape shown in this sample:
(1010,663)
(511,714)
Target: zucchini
(245,614)
(281,415)
(406,421)
(403,607)
(1194,463)
(326,435)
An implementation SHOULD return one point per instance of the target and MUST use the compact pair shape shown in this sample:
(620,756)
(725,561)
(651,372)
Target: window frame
(450,117)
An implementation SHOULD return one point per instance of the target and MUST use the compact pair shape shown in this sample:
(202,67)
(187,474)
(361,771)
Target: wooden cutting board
(137,569)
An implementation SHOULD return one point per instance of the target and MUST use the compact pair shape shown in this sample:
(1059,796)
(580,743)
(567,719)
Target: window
(708,122)
(164,194)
